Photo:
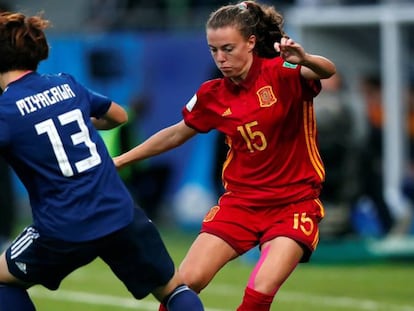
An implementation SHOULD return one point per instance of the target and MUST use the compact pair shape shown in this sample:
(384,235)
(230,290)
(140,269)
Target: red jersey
(270,128)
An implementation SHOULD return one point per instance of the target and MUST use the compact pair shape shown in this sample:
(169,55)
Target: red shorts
(245,227)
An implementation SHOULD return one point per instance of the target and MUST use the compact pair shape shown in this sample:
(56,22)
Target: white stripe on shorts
(23,242)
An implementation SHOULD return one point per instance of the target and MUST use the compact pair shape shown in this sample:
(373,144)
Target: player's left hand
(290,50)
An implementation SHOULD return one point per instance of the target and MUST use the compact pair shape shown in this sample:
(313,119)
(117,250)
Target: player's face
(232,53)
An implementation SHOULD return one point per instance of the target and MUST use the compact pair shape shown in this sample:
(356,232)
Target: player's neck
(10,76)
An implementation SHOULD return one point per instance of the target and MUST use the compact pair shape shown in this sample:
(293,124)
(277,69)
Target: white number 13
(48,127)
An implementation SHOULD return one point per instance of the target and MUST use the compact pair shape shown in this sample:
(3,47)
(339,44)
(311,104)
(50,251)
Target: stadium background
(157,49)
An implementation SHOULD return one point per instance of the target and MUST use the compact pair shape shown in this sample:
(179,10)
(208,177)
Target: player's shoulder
(61,76)
(206,94)
(278,68)
(211,85)
(209,91)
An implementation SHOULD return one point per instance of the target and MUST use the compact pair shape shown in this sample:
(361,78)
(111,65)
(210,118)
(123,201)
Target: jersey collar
(251,77)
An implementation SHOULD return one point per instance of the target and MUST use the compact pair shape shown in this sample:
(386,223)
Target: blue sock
(183,298)
(15,298)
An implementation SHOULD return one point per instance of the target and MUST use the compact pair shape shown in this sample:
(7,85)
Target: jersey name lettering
(46,98)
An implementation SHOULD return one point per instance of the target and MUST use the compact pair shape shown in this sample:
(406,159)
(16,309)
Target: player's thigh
(278,258)
(206,256)
(299,222)
(5,275)
(138,257)
(35,259)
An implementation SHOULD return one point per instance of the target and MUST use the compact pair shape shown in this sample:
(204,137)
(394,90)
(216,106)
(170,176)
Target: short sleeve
(99,104)
(291,72)
(199,112)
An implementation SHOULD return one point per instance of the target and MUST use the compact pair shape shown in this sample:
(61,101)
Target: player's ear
(251,42)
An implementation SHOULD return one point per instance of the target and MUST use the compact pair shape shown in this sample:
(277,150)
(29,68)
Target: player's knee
(194,279)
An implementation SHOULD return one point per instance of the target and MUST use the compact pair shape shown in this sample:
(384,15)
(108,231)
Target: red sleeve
(199,112)
(310,88)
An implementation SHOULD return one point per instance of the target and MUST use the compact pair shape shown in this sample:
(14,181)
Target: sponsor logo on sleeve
(289,65)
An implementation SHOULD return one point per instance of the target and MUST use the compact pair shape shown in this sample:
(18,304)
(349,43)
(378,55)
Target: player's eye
(228,49)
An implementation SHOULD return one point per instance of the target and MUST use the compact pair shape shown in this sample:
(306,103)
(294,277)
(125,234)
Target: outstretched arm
(313,66)
(162,141)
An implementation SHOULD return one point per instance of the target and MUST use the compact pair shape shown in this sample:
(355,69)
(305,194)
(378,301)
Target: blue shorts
(136,254)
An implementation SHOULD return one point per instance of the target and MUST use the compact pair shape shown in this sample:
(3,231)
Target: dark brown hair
(23,42)
(252,18)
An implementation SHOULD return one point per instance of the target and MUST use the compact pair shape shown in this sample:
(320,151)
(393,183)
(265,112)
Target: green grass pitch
(379,286)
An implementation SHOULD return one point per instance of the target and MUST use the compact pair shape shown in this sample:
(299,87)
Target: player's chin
(227,72)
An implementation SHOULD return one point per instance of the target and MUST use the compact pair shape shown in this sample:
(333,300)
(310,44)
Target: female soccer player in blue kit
(81,209)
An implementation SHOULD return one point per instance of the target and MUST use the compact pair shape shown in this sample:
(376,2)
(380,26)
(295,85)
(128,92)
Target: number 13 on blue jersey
(49,127)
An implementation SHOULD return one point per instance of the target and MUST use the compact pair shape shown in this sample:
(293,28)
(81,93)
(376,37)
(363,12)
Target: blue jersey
(47,136)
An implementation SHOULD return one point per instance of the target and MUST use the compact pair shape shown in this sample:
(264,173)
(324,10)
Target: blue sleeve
(99,104)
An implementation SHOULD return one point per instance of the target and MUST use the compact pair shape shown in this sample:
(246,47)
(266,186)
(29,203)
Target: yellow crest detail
(266,96)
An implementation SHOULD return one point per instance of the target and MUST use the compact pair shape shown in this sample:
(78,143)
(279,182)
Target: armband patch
(289,65)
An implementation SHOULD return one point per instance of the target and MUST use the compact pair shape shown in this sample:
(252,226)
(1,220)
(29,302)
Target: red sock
(255,301)
(162,308)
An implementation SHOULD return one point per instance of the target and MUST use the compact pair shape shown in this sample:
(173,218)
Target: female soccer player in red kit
(273,172)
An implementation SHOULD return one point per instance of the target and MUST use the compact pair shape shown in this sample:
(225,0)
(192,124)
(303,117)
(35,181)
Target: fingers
(287,42)
(283,40)
(284,44)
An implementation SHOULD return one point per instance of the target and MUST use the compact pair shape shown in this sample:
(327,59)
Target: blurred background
(151,56)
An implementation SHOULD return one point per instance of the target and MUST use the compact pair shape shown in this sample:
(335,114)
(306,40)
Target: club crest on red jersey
(211,213)
(266,96)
